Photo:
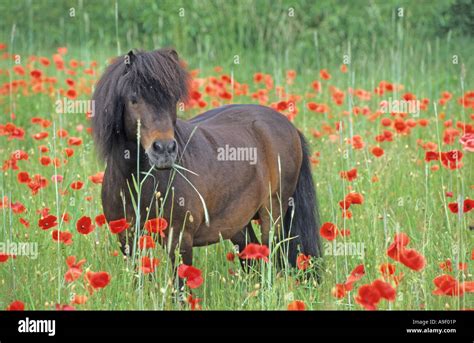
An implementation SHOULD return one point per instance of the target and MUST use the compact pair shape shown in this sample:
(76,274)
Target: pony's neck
(125,156)
(185,135)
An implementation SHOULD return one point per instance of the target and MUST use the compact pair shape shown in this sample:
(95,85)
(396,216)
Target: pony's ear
(173,54)
(129,59)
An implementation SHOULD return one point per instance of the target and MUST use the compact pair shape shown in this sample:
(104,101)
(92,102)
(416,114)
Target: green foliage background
(297,33)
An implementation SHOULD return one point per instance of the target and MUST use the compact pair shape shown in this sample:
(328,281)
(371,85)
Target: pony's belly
(211,235)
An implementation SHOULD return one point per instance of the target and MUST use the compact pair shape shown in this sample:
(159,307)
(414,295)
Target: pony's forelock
(157,76)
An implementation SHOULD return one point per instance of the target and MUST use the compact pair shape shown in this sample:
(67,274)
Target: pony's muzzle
(162,153)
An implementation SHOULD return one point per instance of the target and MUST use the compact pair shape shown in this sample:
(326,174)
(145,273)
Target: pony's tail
(301,222)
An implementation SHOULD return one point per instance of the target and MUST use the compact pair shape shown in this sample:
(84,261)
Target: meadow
(384,171)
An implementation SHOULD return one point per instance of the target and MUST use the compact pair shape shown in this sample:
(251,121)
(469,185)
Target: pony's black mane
(157,76)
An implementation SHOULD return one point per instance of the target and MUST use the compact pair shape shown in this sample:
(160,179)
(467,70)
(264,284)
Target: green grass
(409,196)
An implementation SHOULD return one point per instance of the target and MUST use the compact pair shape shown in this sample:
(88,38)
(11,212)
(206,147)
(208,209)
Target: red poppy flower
(409,257)
(357,142)
(413,259)
(316,86)
(16,306)
(74,141)
(156,225)
(45,160)
(329,231)
(452,159)
(64,307)
(47,222)
(117,226)
(194,303)
(255,251)
(355,198)
(191,274)
(446,265)
(387,269)
(377,151)
(338,291)
(230,256)
(346,214)
(349,175)
(453,207)
(25,222)
(62,236)
(23,177)
(447,285)
(79,299)
(431,156)
(69,152)
(400,242)
(312,106)
(66,217)
(297,305)
(62,133)
(77,185)
(98,279)
(303,261)
(19,155)
(368,297)
(97,178)
(354,276)
(84,225)
(40,135)
(4,258)
(17,208)
(386,122)
(345,232)
(18,69)
(282,106)
(146,242)
(71,93)
(36,74)
(385,289)
(100,220)
(258,77)
(324,74)
(468,205)
(345,204)
(148,264)
(75,269)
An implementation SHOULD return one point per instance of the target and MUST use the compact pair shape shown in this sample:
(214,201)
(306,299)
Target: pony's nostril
(172,147)
(165,147)
(158,147)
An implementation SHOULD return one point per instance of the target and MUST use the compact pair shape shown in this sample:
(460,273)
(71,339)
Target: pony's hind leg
(241,239)
(270,218)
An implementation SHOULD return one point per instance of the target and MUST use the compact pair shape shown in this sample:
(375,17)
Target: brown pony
(242,162)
